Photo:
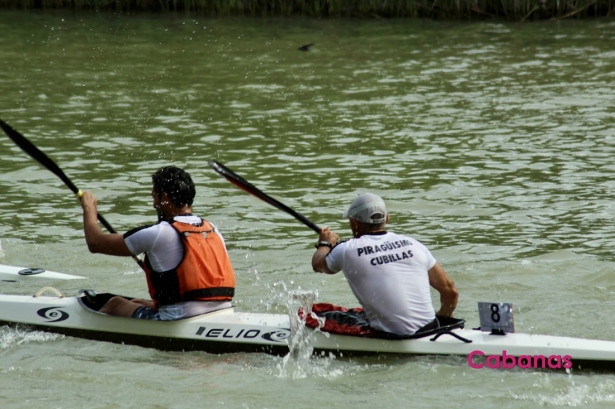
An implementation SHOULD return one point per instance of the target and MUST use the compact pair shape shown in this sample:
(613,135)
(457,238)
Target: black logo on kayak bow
(276,336)
(52,314)
(30,271)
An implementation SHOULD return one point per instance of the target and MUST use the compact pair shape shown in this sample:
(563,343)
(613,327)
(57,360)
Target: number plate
(496,316)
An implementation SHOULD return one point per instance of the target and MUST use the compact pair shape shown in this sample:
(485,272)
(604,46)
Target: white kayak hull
(229,331)
(217,332)
(12,273)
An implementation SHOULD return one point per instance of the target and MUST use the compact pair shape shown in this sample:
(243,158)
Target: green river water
(492,143)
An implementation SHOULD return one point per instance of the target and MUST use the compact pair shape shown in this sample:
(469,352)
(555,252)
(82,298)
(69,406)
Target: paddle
(251,189)
(36,154)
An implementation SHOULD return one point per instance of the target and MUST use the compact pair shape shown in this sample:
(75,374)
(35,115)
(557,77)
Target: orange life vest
(204,274)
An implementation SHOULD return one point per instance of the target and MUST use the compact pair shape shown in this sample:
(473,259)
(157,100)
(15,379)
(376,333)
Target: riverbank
(514,10)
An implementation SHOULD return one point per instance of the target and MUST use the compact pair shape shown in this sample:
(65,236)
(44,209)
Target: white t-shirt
(388,273)
(165,251)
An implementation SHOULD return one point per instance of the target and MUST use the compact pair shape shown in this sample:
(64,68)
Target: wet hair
(177,184)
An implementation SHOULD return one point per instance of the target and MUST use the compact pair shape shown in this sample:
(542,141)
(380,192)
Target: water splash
(296,363)
(561,392)
(252,270)
(10,337)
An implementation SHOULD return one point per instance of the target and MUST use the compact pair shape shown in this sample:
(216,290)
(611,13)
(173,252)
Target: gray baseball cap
(367,208)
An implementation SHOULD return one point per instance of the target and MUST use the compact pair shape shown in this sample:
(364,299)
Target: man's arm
(319,259)
(439,280)
(97,240)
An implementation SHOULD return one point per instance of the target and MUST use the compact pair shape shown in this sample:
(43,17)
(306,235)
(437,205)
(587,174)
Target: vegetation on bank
(435,9)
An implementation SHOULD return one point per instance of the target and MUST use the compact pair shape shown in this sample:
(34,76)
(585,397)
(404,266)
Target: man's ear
(164,198)
(354,223)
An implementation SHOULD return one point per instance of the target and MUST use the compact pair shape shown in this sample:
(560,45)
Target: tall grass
(436,9)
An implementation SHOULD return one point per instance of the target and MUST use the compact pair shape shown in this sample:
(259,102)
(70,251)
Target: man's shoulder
(191,219)
(341,244)
(401,236)
(138,229)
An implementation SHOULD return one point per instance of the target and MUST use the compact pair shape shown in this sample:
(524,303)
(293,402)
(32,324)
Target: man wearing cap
(389,273)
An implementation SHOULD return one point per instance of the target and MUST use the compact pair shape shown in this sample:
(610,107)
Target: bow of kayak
(13,273)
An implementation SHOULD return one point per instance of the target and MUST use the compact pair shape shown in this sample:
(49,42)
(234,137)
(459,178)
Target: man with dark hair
(389,273)
(186,264)
(177,183)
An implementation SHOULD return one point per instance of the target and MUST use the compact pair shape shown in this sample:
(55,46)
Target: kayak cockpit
(353,322)
(94,301)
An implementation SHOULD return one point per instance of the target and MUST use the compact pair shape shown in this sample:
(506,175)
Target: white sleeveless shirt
(388,273)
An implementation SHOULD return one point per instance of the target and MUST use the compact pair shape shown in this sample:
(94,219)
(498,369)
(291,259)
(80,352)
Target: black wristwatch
(323,243)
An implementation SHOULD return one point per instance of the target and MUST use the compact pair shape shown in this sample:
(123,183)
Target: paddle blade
(253,190)
(36,154)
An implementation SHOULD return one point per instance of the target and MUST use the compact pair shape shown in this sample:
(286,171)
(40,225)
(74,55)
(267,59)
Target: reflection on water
(492,143)
(474,133)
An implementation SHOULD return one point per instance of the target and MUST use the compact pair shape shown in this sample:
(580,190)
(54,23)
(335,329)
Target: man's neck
(362,233)
(171,212)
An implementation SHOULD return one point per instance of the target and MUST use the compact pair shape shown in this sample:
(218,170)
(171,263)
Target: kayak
(217,332)
(12,274)
(227,330)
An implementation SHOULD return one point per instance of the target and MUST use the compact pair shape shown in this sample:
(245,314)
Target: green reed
(435,9)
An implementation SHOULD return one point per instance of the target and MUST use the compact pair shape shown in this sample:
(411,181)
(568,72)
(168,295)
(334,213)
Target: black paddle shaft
(36,154)
(253,190)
